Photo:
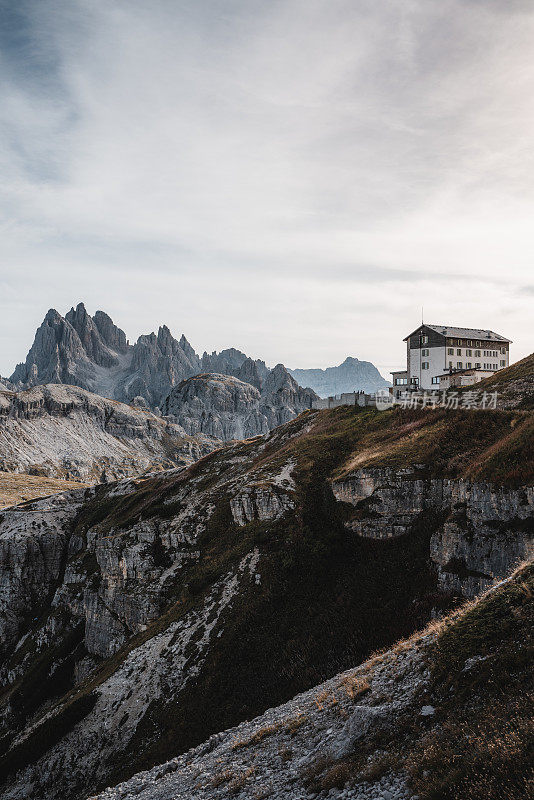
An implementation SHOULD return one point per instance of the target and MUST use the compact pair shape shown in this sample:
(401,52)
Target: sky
(295,178)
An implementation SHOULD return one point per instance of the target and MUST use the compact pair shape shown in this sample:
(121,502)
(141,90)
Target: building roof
(463,333)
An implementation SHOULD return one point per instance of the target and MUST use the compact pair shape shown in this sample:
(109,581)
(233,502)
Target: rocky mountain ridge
(66,432)
(228,408)
(352,375)
(140,618)
(93,353)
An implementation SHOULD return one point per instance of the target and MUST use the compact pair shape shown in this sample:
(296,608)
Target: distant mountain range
(352,375)
(93,353)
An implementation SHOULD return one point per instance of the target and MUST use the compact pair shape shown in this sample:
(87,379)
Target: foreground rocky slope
(139,618)
(228,408)
(66,432)
(422,720)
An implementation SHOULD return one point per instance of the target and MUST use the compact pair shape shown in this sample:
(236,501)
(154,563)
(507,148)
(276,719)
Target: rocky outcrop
(260,503)
(480,531)
(228,408)
(352,375)
(234,362)
(218,405)
(159,363)
(66,432)
(282,397)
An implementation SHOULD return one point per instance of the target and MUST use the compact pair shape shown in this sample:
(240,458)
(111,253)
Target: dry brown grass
(222,777)
(240,781)
(294,724)
(17,488)
(355,686)
(256,737)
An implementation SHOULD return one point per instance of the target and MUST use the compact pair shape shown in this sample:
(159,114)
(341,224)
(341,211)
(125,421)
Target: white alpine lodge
(439,357)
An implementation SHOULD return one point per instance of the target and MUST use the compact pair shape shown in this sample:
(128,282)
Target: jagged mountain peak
(52,315)
(349,376)
(93,353)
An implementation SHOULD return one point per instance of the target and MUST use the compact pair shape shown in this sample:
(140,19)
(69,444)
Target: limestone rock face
(228,408)
(260,503)
(213,402)
(283,398)
(479,531)
(56,356)
(159,363)
(234,362)
(66,432)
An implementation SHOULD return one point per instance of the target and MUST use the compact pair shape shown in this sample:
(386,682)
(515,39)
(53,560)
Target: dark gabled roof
(462,333)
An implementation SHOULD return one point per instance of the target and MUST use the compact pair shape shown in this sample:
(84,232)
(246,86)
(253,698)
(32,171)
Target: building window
(450,364)
(477,353)
(468,353)
(503,363)
(425,365)
(425,352)
(459,365)
(423,339)
(477,366)
(435,379)
(459,352)
(415,381)
(468,365)
(450,351)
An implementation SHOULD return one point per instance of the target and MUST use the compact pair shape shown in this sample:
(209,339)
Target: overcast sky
(295,178)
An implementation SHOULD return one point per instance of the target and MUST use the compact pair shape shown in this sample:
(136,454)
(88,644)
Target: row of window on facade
(423,339)
(477,353)
(468,343)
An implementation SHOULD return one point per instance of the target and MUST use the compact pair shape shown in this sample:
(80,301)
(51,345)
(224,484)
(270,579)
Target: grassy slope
(478,745)
(515,384)
(483,747)
(16,488)
(326,598)
(518,371)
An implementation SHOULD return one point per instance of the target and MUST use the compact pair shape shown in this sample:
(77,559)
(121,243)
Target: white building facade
(435,352)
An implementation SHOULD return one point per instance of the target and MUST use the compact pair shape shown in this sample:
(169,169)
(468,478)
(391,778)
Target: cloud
(289,177)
